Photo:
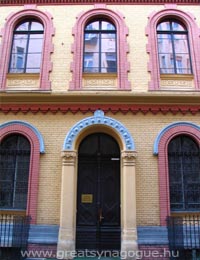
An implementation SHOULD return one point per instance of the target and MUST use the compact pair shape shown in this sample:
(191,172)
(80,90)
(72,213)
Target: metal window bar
(14,231)
(184,232)
(184,235)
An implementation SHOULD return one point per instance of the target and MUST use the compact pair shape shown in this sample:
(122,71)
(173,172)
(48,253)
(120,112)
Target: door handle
(101,217)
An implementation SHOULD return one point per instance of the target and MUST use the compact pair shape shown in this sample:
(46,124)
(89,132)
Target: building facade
(100,129)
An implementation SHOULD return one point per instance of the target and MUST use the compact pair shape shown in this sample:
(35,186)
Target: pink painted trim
(193,34)
(31,209)
(113,108)
(163,165)
(122,46)
(7,34)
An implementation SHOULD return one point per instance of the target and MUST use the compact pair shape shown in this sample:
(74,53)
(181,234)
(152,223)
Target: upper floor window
(184,174)
(14,174)
(100,48)
(27,46)
(173,48)
(100,54)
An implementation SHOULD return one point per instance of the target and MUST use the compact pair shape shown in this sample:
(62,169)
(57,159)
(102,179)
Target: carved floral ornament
(69,157)
(129,155)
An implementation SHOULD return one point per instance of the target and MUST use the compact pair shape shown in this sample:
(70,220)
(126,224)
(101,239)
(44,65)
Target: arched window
(100,47)
(173,48)
(27,46)
(100,51)
(184,174)
(14,174)
(178,148)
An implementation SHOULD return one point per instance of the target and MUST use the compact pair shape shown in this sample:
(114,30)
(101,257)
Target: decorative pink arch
(152,48)
(35,142)
(162,150)
(7,34)
(122,46)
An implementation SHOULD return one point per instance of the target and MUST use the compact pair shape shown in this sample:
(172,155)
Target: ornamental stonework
(177,83)
(69,157)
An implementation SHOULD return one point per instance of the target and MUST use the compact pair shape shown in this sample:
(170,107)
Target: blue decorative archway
(99,119)
(33,128)
(168,127)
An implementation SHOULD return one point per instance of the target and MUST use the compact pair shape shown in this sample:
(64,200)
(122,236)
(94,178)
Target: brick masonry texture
(54,129)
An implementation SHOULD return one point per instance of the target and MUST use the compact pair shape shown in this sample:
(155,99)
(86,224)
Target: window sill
(177,76)
(185,213)
(8,211)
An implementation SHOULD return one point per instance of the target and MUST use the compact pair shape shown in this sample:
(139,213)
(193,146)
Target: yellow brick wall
(143,128)
(64,18)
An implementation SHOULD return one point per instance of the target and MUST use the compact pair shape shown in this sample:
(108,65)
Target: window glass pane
(111,60)
(107,43)
(19,40)
(183,64)
(18,54)
(91,39)
(35,26)
(177,27)
(91,62)
(107,26)
(108,62)
(93,26)
(164,26)
(164,43)
(180,43)
(35,43)
(165,53)
(33,62)
(166,63)
(29,25)
(23,27)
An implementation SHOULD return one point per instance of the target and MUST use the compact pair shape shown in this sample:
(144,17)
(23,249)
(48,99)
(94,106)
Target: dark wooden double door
(98,194)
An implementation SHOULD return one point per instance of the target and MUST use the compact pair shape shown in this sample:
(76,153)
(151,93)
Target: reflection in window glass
(100,47)
(27,48)
(173,48)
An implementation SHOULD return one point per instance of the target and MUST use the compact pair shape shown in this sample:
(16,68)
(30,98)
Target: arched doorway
(78,134)
(98,193)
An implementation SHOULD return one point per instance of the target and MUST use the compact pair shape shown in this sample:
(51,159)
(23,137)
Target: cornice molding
(95,97)
(77,2)
(113,108)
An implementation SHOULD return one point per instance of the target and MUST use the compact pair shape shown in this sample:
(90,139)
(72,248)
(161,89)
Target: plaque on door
(86,198)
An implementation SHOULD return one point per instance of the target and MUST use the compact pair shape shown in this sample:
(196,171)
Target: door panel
(98,194)
(110,192)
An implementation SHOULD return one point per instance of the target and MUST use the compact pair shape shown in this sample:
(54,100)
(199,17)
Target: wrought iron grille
(14,172)
(184,174)
(184,236)
(14,231)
